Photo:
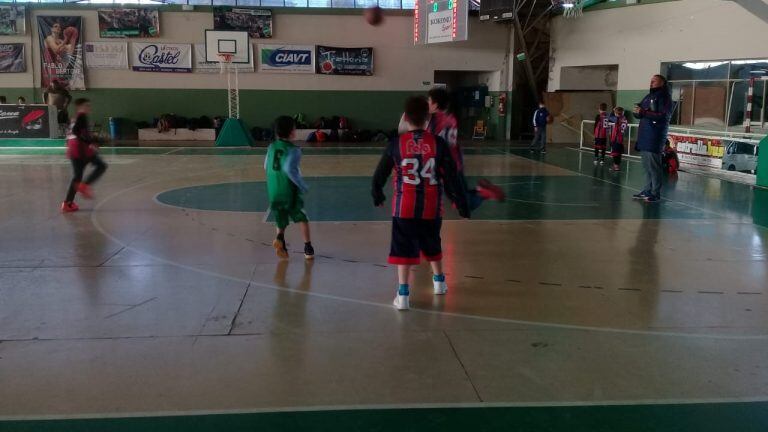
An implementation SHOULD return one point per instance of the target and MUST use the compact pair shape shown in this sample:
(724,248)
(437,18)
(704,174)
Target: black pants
(78,169)
(617,160)
(600,152)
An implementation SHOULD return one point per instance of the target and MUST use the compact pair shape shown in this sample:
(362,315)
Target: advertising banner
(12,58)
(699,151)
(213,67)
(161,57)
(287,58)
(25,121)
(344,61)
(440,27)
(106,55)
(125,23)
(61,49)
(257,22)
(12,20)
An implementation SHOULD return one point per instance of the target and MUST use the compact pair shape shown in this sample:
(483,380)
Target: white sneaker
(401,302)
(440,287)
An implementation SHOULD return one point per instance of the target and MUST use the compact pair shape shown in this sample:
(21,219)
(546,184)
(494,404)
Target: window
(713,94)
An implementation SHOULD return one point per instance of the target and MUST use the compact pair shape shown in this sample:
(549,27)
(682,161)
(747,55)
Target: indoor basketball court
(572,305)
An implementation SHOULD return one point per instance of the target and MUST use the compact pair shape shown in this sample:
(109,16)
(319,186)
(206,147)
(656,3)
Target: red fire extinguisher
(502,104)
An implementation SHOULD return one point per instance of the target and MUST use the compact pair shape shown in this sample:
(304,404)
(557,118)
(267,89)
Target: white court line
(458,405)
(103,231)
(635,189)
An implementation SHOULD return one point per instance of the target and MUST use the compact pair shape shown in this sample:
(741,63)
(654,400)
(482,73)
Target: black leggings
(617,159)
(601,152)
(78,168)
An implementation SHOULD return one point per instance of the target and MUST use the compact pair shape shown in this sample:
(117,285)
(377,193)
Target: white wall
(399,65)
(638,38)
(589,77)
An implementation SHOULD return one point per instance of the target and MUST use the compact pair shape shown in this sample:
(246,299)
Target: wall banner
(157,57)
(61,48)
(344,61)
(287,58)
(12,58)
(126,23)
(106,55)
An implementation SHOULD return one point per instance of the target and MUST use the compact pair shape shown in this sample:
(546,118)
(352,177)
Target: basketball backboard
(234,43)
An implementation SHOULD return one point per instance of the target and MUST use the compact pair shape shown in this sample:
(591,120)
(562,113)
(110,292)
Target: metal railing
(633,128)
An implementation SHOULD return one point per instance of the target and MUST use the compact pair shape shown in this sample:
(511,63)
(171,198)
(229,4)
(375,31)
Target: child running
(285,186)
(444,125)
(618,125)
(601,136)
(423,167)
(82,149)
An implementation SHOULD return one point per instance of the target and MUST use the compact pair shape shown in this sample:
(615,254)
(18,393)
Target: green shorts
(284,213)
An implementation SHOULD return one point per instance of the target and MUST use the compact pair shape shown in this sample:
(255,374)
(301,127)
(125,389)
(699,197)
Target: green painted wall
(366,109)
(628,98)
(762,167)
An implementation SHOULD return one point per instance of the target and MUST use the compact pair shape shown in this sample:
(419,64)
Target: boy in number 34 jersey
(423,167)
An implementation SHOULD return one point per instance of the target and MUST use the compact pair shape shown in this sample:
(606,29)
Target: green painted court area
(528,198)
(741,417)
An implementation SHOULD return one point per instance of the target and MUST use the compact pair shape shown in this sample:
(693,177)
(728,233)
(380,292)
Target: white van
(740,156)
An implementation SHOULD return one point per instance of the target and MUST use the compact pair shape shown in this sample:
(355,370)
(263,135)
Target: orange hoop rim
(225,58)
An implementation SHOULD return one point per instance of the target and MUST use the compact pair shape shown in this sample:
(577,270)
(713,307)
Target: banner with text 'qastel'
(161,57)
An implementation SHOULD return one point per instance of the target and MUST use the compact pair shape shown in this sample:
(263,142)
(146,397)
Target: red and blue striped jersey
(444,125)
(618,129)
(601,125)
(422,164)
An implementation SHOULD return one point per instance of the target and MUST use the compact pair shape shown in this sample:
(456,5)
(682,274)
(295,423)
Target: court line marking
(634,189)
(320,408)
(105,233)
(157,199)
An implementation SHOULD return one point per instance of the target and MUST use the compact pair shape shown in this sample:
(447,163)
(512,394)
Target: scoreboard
(438,21)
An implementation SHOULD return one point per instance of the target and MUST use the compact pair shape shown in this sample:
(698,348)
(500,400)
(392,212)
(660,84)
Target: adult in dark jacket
(540,120)
(654,113)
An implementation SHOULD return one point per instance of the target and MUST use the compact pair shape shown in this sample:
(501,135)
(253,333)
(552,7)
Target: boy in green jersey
(285,186)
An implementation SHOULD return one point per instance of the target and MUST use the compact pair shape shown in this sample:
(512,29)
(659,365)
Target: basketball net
(575,11)
(233,86)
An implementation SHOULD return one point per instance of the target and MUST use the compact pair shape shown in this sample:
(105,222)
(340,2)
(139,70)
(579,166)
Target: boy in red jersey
(601,134)
(82,149)
(444,124)
(423,167)
(618,128)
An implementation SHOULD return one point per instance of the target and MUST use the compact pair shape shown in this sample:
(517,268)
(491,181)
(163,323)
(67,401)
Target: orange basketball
(374,15)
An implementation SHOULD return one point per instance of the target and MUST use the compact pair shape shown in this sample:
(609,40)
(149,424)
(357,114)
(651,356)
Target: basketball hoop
(225,61)
(233,86)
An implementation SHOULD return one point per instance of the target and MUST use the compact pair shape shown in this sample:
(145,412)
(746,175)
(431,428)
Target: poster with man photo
(257,22)
(12,20)
(61,49)
(12,58)
(129,23)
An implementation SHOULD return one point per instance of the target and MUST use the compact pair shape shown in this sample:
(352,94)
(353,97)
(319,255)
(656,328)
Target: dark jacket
(654,115)
(540,118)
